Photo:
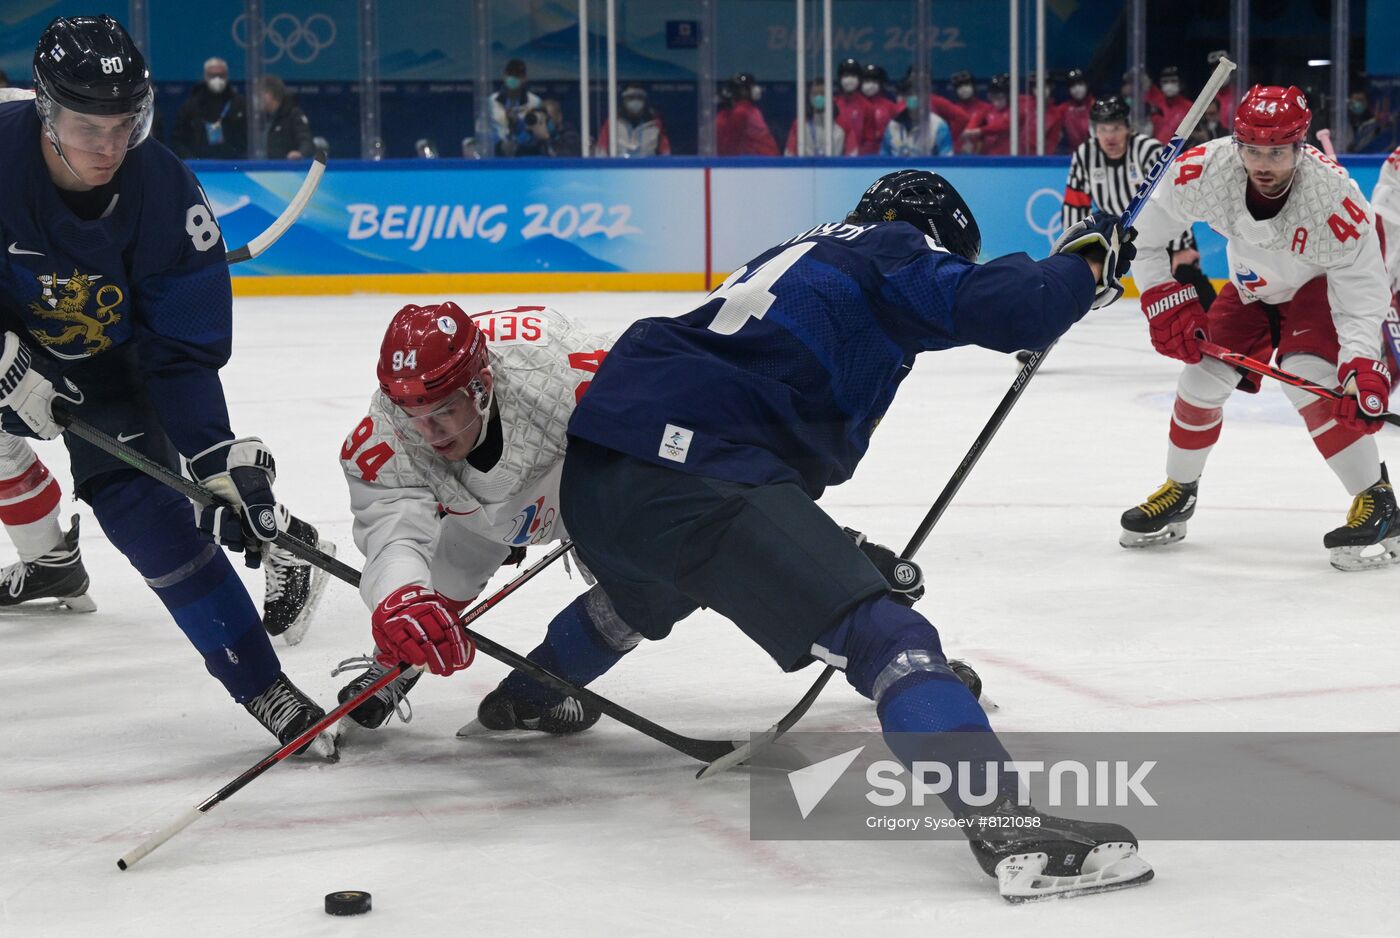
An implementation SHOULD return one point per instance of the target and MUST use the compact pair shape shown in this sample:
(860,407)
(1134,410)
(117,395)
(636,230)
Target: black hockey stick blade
(701,750)
(289,214)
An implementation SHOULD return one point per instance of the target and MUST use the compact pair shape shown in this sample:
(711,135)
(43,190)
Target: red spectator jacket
(995,127)
(957,115)
(741,131)
(1168,114)
(1076,119)
(879,111)
(1054,125)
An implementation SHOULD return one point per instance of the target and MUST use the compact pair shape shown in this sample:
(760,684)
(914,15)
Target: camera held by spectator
(509,107)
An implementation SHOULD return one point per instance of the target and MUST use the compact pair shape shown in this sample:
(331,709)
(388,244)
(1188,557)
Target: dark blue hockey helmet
(928,202)
(90,65)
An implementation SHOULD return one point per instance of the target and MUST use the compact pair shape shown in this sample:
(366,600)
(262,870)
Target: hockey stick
(223,794)
(1246,363)
(701,750)
(1149,183)
(289,214)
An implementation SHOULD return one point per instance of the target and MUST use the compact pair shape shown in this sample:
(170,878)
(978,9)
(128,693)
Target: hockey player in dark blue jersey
(696,457)
(115,302)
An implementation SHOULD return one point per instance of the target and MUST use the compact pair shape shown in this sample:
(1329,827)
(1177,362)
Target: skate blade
(1352,559)
(319,578)
(54,606)
(1168,535)
(1022,878)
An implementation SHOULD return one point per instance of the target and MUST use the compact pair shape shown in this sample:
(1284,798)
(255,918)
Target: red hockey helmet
(428,352)
(1272,116)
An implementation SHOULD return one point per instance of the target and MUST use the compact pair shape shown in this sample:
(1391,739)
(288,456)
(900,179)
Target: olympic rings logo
(1053,225)
(289,36)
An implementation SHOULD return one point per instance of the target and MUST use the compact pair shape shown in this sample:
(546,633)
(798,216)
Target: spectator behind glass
(989,131)
(904,138)
(1076,109)
(288,130)
(852,107)
(740,129)
(564,139)
(1363,123)
(1168,104)
(879,109)
(639,128)
(213,121)
(843,140)
(1054,118)
(1210,126)
(4,79)
(509,107)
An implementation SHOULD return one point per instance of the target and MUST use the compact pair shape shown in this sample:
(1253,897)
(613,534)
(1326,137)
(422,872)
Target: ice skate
(1057,857)
(1162,518)
(500,711)
(287,713)
(58,576)
(388,700)
(294,587)
(1371,537)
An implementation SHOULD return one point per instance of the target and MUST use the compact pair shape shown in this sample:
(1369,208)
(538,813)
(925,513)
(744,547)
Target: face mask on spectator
(997,99)
(1171,88)
(965,92)
(911,101)
(1077,92)
(819,102)
(869,88)
(633,106)
(1356,107)
(849,83)
(512,83)
(756,93)
(217,83)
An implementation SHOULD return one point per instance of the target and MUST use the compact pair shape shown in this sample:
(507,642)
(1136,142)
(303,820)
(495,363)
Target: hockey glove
(1100,237)
(26,397)
(241,473)
(1365,385)
(1175,319)
(905,578)
(413,625)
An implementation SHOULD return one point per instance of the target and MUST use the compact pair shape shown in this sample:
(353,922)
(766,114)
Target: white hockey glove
(240,472)
(1101,237)
(26,397)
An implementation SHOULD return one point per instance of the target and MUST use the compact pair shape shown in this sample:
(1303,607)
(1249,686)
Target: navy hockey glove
(1101,237)
(26,396)
(905,578)
(241,473)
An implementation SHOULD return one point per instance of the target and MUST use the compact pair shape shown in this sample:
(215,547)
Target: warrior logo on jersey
(67,300)
(1249,281)
(532,525)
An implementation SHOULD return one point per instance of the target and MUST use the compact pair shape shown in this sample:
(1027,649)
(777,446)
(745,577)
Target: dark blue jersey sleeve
(1007,304)
(184,304)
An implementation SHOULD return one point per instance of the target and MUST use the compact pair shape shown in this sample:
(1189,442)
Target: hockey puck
(347,902)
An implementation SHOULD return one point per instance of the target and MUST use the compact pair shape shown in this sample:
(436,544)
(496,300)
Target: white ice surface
(111,727)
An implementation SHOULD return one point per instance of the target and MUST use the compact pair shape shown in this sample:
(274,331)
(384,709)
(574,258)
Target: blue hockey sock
(893,655)
(584,640)
(154,527)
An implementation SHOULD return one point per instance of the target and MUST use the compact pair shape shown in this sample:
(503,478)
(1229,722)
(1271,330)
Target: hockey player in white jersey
(454,472)
(1385,199)
(1307,282)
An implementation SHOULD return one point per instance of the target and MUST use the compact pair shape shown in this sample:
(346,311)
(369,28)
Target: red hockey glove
(1365,386)
(1174,314)
(413,625)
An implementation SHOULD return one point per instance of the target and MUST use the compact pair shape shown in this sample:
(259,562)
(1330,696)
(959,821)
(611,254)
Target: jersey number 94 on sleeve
(752,298)
(371,460)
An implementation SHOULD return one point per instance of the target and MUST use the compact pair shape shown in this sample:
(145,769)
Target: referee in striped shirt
(1105,171)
